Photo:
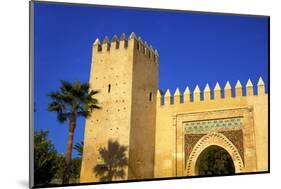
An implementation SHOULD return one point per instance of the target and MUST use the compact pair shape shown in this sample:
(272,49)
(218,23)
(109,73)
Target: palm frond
(85,86)
(93,92)
(73,97)
(56,106)
(56,96)
(79,148)
(85,114)
(62,117)
(65,86)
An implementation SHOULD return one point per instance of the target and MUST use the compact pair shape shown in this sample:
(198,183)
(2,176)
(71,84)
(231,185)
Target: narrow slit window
(150,96)
(109,88)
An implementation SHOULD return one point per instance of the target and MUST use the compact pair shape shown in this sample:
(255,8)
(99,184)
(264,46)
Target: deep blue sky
(194,48)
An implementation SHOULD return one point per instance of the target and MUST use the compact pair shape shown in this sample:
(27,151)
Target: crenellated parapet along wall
(173,111)
(151,124)
(125,71)
(124,43)
(210,95)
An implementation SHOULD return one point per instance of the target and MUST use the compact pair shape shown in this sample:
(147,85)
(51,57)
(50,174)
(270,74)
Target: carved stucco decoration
(217,139)
(229,127)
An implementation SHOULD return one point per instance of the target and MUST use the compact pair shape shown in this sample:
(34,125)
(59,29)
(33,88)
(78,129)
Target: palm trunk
(72,124)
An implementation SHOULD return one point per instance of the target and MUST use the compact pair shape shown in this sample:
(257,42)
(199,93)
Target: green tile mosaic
(206,126)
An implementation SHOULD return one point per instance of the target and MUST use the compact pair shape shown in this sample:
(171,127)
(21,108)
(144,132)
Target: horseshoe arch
(217,139)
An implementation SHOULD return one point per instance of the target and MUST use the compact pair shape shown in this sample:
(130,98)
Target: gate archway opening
(213,139)
(214,160)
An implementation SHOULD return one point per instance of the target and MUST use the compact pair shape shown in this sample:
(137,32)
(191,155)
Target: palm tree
(72,100)
(79,148)
(114,162)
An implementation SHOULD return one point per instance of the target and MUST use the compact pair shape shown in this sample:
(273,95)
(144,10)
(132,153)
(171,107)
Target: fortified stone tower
(125,71)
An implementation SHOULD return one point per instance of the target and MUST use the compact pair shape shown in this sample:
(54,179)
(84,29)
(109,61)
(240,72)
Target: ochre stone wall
(143,120)
(151,125)
(125,72)
(110,68)
(174,110)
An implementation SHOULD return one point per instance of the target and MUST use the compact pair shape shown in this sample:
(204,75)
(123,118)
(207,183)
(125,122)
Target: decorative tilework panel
(236,137)
(207,126)
(189,142)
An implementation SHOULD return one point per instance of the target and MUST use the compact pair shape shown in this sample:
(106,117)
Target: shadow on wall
(114,162)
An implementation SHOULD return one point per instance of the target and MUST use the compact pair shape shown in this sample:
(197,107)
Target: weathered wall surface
(111,68)
(170,116)
(151,126)
(142,133)
(260,108)
(126,74)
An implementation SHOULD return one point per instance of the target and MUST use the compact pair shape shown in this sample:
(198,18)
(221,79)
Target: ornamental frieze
(206,126)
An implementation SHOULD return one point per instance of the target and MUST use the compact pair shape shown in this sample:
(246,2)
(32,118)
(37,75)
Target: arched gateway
(207,141)
(214,160)
(166,133)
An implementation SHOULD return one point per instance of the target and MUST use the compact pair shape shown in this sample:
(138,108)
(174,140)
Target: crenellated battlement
(210,95)
(126,71)
(132,42)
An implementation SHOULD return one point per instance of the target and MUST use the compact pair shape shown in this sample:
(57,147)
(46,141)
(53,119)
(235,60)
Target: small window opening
(109,88)
(150,96)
